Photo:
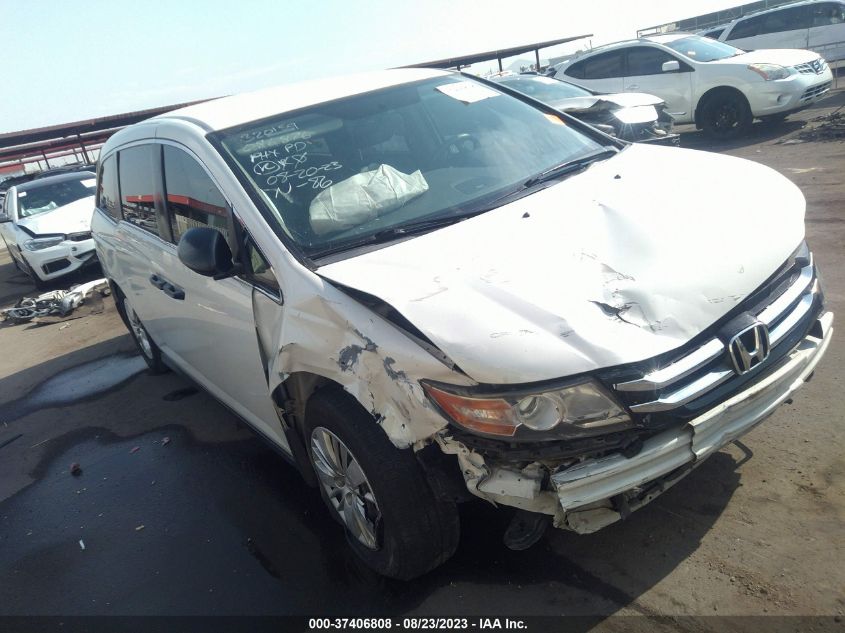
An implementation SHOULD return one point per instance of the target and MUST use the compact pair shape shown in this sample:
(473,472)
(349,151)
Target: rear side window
(108,196)
(603,66)
(746,28)
(827,13)
(788,19)
(575,70)
(644,60)
(137,186)
(192,197)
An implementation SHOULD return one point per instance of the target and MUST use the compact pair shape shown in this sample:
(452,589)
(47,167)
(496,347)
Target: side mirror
(4,218)
(671,66)
(205,251)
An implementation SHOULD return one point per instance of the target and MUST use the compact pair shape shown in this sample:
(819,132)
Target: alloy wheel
(138,330)
(346,486)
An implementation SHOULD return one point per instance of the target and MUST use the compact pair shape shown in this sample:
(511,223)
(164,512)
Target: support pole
(82,145)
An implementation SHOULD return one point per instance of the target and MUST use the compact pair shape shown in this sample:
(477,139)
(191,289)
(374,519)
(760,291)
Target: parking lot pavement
(181,510)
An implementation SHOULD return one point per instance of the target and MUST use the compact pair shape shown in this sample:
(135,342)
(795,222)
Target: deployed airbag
(364,197)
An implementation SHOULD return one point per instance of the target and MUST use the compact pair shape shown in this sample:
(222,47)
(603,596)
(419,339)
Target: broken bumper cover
(673,140)
(62,259)
(585,491)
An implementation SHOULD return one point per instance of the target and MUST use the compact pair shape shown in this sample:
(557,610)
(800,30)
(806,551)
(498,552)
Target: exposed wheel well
(291,398)
(710,94)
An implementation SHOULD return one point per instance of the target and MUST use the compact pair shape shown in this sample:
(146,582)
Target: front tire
(379,493)
(726,115)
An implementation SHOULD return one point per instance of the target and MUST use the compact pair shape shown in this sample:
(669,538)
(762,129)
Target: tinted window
(108,197)
(713,34)
(192,197)
(643,60)
(575,70)
(746,28)
(137,186)
(827,13)
(785,20)
(603,66)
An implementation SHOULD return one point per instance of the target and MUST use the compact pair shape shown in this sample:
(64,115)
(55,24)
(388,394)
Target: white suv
(424,289)
(712,84)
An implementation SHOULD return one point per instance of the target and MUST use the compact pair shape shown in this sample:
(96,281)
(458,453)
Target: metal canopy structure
(81,139)
(499,55)
(78,138)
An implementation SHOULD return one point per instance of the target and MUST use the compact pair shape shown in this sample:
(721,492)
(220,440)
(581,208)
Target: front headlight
(577,409)
(40,243)
(770,72)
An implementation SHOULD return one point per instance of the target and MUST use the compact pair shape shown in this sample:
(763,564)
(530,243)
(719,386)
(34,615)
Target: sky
(66,60)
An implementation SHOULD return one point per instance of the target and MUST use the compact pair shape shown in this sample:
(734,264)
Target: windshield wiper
(395,233)
(568,167)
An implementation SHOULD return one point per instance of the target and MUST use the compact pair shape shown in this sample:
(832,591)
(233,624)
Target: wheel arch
(715,92)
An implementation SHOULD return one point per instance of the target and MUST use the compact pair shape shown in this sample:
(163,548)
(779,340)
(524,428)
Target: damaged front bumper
(598,492)
(588,495)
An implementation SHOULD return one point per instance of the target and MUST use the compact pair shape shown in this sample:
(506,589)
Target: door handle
(171,290)
(157,281)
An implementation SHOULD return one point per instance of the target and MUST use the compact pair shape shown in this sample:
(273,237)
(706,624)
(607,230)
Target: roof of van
(227,112)
(781,7)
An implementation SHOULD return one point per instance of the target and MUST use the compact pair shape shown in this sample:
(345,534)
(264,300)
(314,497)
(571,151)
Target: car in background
(635,117)
(818,25)
(717,86)
(17,180)
(46,224)
(713,32)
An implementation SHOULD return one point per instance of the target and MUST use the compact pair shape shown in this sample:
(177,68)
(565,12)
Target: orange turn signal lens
(493,416)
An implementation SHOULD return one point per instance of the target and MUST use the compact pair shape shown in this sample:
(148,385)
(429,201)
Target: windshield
(340,172)
(703,49)
(49,196)
(545,88)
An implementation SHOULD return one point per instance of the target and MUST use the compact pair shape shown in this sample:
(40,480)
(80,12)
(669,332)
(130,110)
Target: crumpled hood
(623,100)
(627,260)
(71,218)
(780,56)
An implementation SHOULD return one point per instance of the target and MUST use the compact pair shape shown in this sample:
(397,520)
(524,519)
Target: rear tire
(150,352)
(726,115)
(410,531)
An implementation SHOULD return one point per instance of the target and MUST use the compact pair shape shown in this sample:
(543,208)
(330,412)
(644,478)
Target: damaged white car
(423,289)
(46,225)
(631,116)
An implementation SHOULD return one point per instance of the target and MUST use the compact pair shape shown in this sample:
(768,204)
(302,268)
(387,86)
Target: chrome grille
(708,366)
(815,67)
(815,91)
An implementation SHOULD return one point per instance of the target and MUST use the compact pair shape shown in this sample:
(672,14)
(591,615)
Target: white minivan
(423,289)
(818,25)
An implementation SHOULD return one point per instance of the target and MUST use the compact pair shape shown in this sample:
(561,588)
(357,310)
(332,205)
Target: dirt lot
(213,522)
